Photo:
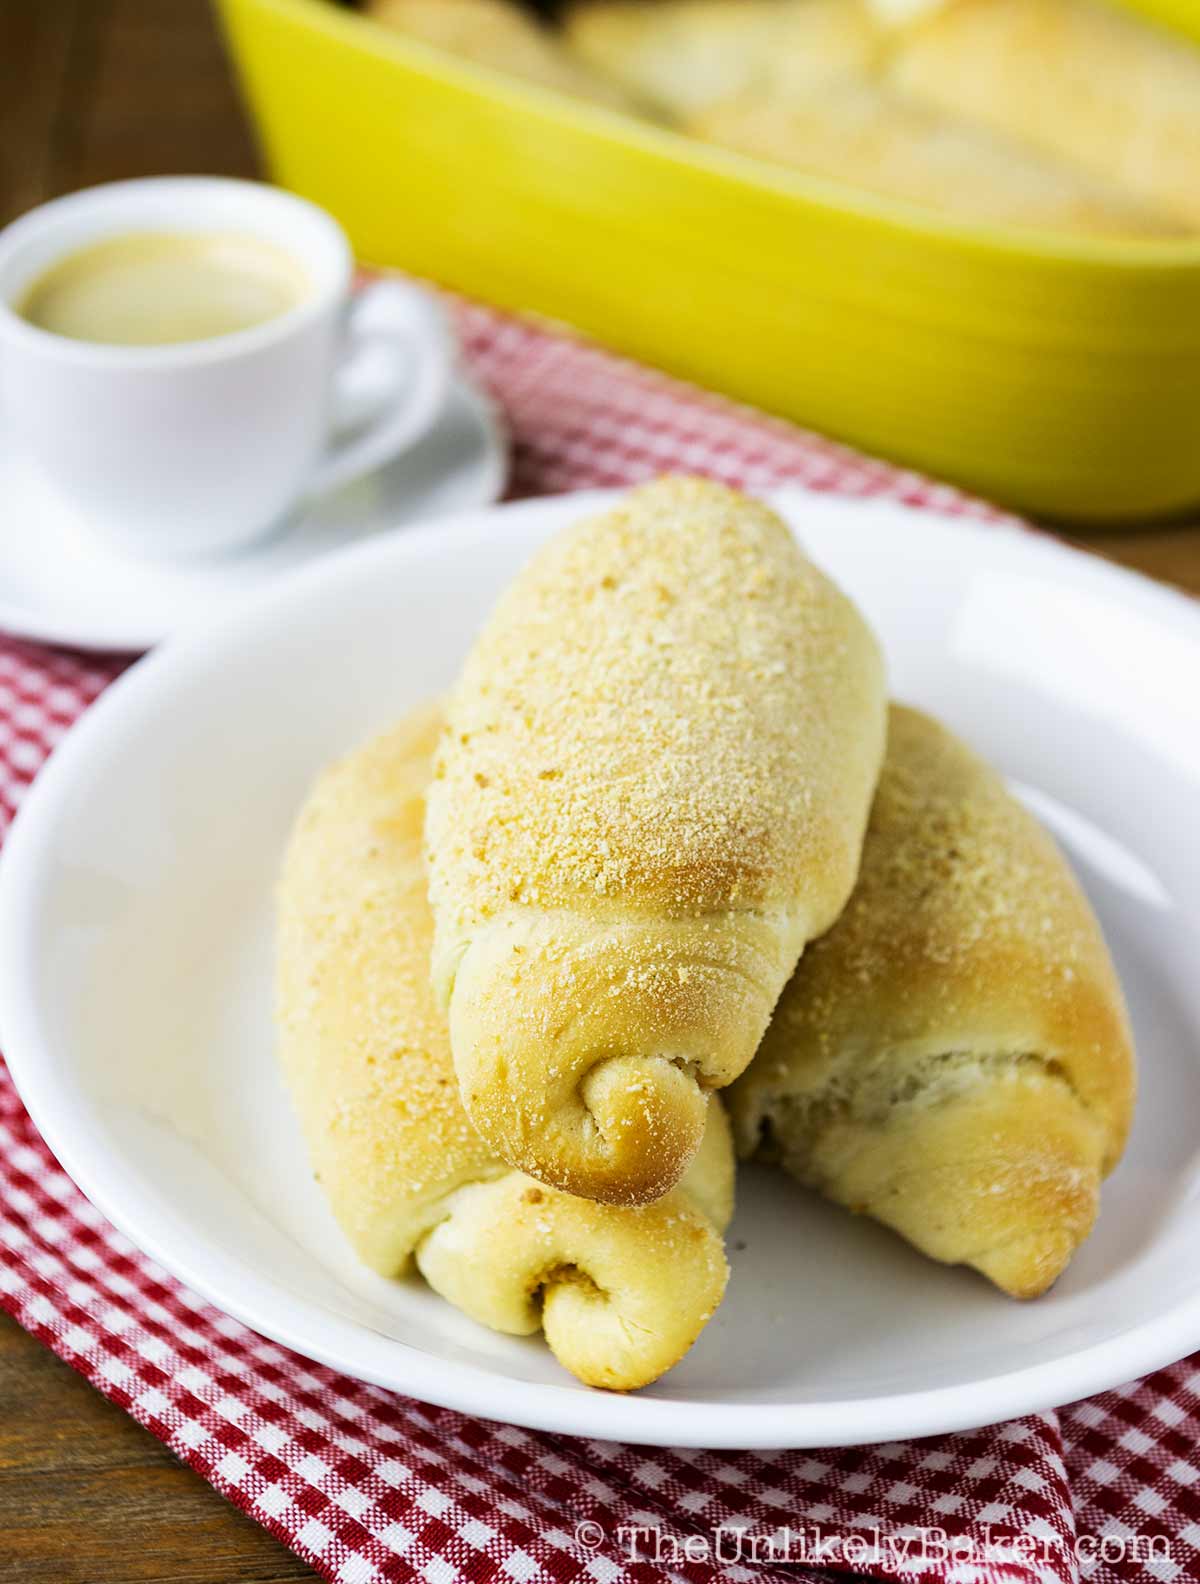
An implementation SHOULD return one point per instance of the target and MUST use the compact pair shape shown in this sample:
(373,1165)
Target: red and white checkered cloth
(368,1486)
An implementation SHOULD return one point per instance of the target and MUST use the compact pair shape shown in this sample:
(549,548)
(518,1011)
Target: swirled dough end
(651,792)
(621,1293)
(954,1057)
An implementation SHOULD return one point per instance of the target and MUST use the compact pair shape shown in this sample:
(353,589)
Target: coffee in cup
(184,359)
(154,288)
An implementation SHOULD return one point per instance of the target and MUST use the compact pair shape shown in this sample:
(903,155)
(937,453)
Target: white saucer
(136,895)
(61,584)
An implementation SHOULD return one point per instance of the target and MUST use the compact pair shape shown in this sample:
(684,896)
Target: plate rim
(315,1332)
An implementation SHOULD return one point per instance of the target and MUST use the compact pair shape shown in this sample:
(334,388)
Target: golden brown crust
(1090,83)
(503,37)
(873,138)
(954,1056)
(651,792)
(622,1293)
(686,56)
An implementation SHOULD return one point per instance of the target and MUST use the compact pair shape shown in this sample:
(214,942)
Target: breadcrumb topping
(666,708)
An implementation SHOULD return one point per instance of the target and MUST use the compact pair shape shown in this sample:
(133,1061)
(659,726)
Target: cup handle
(407,323)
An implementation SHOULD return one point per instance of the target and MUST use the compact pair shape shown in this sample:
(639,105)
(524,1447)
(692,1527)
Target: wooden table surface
(91,91)
(95,90)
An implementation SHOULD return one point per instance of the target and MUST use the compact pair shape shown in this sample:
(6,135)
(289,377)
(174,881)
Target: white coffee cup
(195,447)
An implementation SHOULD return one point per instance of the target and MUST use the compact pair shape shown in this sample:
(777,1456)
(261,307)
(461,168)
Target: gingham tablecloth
(368,1486)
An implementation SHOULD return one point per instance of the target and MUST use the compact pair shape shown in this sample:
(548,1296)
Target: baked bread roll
(620,1293)
(1093,84)
(901,13)
(503,37)
(954,1057)
(687,55)
(650,794)
(872,138)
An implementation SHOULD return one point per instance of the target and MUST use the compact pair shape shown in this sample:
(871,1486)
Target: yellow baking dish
(1058,375)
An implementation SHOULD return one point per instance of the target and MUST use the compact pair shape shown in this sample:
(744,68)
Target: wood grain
(37,44)
(89,1497)
(95,90)
(1172,555)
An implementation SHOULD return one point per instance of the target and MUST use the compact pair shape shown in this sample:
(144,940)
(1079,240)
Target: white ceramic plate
(134,983)
(63,584)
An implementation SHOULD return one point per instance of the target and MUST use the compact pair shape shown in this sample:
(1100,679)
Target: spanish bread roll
(953,1058)
(873,138)
(1091,83)
(687,55)
(650,794)
(620,1293)
(504,37)
(902,13)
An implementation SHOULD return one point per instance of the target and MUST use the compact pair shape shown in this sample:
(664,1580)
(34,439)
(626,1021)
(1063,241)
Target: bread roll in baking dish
(1087,82)
(503,37)
(953,1058)
(621,1294)
(651,792)
(685,56)
(868,135)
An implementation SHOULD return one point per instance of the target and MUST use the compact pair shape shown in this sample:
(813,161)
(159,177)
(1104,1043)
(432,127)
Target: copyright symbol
(589,1534)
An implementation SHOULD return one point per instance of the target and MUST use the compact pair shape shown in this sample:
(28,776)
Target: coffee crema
(156,288)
